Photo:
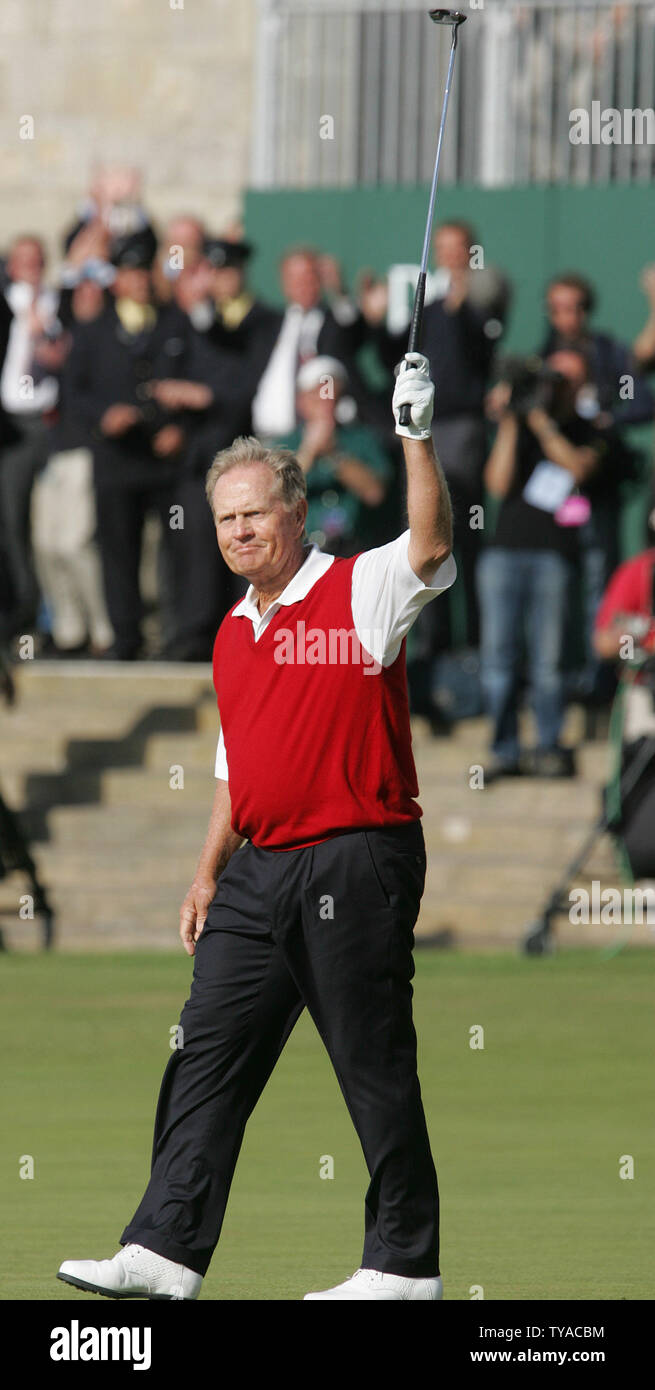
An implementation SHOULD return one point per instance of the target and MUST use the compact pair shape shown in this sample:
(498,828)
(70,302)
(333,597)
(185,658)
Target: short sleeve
(387,596)
(220,765)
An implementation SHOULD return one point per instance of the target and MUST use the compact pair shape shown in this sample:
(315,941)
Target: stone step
(95,746)
(123,931)
(137,787)
(132,864)
(43,734)
(521,809)
(526,799)
(110,828)
(452,759)
(125,680)
(467,752)
(196,751)
(207,716)
(132,835)
(95,902)
(95,777)
(45,722)
(132,918)
(90,750)
(77,879)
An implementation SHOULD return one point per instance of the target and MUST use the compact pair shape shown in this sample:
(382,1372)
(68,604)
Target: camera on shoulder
(534,385)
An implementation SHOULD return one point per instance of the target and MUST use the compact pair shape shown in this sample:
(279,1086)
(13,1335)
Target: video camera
(533,384)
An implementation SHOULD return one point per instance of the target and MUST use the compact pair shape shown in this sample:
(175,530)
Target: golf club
(454,18)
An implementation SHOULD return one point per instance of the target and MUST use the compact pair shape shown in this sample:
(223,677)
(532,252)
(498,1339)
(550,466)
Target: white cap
(314,372)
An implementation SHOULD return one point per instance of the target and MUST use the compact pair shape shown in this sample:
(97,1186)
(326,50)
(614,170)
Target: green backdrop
(607,232)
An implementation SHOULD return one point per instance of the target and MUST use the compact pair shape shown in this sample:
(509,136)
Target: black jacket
(258,332)
(459,351)
(7,432)
(107,365)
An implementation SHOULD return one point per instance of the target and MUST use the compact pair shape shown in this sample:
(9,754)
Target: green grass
(527,1134)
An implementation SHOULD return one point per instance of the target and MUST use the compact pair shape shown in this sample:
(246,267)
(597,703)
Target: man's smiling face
(258,535)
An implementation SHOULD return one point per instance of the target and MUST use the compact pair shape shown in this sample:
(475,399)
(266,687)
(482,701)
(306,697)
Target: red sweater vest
(316,744)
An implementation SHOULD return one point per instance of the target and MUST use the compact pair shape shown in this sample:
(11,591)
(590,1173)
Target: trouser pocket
(397,864)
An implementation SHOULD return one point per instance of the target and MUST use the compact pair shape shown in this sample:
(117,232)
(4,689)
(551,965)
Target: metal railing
(377,70)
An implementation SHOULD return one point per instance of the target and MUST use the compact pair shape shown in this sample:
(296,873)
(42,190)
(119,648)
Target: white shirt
(274,403)
(387,597)
(20,353)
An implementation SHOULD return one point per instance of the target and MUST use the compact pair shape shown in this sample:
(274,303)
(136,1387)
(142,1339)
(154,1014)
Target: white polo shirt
(387,597)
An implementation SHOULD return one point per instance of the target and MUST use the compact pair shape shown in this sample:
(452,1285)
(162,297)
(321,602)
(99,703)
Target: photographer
(544,451)
(570,304)
(615,395)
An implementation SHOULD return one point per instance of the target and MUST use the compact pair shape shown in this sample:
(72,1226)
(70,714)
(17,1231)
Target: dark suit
(24,442)
(256,336)
(253,339)
(107,365)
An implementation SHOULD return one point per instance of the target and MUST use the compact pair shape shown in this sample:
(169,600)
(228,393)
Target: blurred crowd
(129,363)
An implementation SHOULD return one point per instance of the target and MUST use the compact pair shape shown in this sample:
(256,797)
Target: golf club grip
(413,342)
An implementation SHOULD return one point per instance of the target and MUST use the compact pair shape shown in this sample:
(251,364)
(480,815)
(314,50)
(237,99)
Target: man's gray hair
(289,477)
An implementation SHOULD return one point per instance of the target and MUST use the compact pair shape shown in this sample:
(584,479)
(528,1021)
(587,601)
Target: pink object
(574,511)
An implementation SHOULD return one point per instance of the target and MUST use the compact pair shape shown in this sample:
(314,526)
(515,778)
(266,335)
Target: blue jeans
(523,596)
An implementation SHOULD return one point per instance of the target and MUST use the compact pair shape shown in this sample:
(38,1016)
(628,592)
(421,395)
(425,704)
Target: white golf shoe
(371,1283)
(133,1273)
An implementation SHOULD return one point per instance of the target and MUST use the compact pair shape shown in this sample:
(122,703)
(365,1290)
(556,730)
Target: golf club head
(454,17)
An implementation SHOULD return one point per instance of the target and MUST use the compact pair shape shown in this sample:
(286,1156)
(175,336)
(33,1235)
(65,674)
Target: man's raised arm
(428,503)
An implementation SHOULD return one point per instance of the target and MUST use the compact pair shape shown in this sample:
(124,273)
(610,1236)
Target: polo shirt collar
(298,587)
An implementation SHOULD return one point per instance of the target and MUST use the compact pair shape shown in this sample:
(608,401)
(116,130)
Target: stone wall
(166,85)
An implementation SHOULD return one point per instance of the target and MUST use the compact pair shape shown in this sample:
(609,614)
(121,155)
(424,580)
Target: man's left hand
(414,388)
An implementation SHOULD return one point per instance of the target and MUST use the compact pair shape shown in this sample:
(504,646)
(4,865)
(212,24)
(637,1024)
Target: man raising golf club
(316,909)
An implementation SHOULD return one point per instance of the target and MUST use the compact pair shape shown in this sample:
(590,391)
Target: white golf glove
(414,388)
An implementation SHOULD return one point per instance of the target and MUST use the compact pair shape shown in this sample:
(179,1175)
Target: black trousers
(19,464)
(125,491)
(329,927)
